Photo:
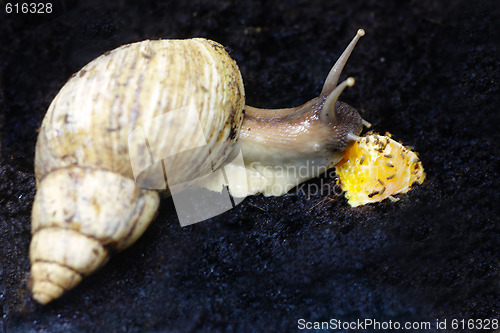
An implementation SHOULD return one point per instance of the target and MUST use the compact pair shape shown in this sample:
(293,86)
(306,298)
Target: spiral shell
(109,120)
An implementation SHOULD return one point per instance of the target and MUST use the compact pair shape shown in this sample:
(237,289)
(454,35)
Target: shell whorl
(76,225)
(89,202)
(89,122)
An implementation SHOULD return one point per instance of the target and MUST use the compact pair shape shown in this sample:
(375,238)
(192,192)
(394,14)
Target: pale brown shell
(88,202)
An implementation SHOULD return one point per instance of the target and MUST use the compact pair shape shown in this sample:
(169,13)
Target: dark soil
(427,71)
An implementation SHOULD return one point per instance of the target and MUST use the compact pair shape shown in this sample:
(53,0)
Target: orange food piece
(377,167)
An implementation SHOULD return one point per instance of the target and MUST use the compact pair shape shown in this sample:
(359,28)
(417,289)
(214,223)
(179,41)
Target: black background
(426,71)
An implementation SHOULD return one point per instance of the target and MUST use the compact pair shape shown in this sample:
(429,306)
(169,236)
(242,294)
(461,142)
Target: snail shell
(88,203)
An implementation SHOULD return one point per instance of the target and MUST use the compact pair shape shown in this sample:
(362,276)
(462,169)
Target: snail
(90,203)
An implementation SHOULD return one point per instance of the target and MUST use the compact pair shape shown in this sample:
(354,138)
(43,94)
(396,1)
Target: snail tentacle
(353,137)
(327,114)
(333,77)
(366,123)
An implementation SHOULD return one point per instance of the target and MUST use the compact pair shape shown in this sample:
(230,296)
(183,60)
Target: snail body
(100,129)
